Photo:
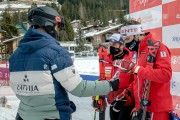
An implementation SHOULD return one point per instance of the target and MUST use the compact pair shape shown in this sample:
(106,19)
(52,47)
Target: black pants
(123,114)
(18,117)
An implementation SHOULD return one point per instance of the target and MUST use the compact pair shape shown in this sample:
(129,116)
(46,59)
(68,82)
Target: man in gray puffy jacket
(41,72)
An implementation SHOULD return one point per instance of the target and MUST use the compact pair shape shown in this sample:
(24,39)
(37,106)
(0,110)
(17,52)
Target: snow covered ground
(15,6)
(88,66)
(84,109)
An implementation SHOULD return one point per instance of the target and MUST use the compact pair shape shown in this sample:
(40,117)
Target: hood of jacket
(34,40)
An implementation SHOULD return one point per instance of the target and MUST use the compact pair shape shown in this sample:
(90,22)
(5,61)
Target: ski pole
(94,114)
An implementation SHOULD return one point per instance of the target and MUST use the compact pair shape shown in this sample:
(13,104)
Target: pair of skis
(142,113)
(101,99)
(102,102)
(152,51)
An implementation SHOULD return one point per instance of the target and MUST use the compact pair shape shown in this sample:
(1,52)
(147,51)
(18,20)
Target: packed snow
(15,6)
(84,109)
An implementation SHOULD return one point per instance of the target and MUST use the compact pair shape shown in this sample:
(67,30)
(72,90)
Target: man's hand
(114,84)
(124,99)
(127,65)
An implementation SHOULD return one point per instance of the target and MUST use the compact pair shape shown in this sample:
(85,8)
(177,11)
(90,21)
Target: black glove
(73,106)
(114,84)
(124,99)
(137,115)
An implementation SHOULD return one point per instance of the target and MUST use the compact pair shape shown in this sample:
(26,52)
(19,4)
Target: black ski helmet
(46,18)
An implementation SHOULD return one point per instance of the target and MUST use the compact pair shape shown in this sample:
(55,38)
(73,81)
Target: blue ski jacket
(41,73)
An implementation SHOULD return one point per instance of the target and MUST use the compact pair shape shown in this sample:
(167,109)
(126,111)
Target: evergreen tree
(94,9)
(61,1)
(7,25)
(69,29)
(19,17)
(63,35)
(10,30)
(33,5)
(24,16)
(6,17)
(80,41)
(15,18)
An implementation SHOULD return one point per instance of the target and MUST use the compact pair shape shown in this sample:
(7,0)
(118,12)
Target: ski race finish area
(162,19)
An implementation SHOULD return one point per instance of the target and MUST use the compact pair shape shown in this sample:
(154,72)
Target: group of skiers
(142,59)
(42,72)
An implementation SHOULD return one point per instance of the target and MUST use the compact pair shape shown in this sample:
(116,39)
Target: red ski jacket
(160,76)
(125,78)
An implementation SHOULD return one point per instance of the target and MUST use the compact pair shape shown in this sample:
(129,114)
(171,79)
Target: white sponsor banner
(150,18)
(167,1)
(171,36)
(175,84)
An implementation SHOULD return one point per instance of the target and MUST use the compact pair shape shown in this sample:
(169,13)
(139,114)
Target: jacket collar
(143,42)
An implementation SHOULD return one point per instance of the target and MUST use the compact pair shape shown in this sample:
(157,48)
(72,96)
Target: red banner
(171,13)
(157,33)
(4,73)
(138,5)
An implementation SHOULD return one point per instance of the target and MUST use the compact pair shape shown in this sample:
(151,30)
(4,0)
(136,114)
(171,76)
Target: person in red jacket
(159,75)
(118,51)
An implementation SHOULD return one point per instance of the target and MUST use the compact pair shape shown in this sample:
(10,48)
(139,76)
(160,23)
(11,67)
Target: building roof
(11,39)
(23,29)
(75,21)
(94,33)
(89,26)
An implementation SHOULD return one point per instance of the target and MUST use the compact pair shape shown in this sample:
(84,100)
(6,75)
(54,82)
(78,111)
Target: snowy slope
(9,114)
(84,109)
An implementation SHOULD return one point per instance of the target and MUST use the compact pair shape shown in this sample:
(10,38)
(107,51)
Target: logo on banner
(177,107)
(143,2)
(139,20)
(173,82)
(178,16)
(176,39)
(175,60)
(145,19)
